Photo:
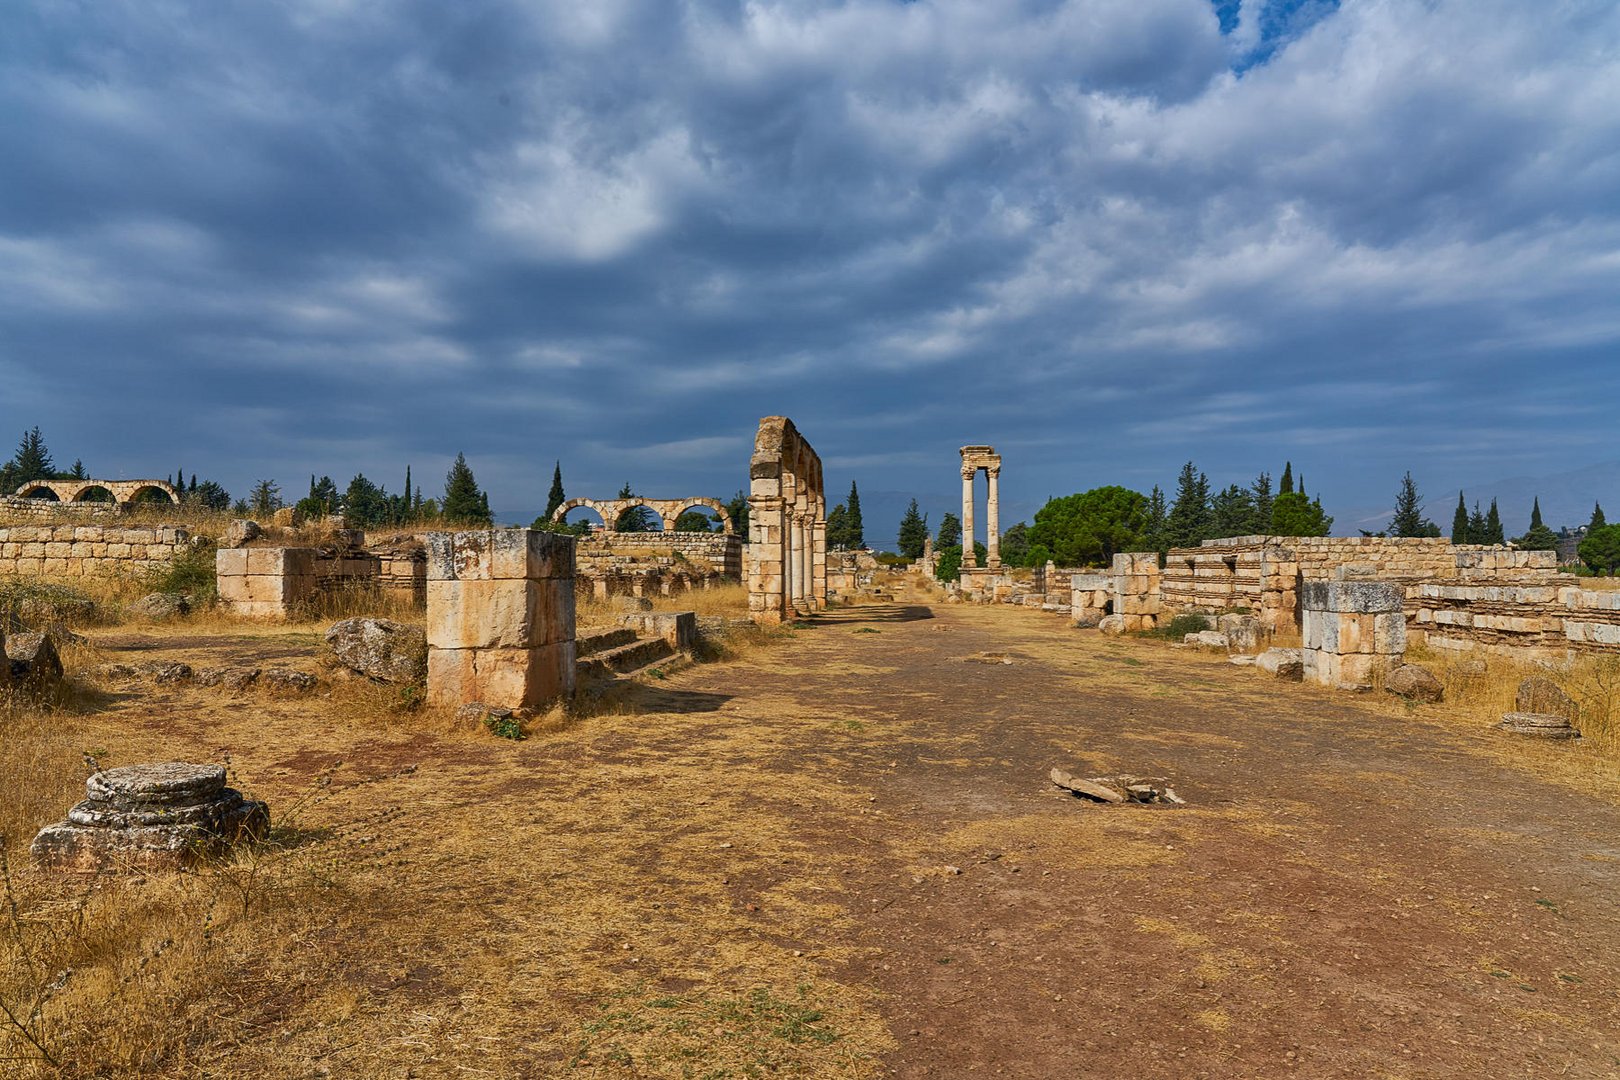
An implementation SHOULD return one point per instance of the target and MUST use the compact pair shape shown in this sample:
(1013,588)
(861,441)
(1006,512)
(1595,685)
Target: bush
(192,573)
(1180,626)
(1601,549)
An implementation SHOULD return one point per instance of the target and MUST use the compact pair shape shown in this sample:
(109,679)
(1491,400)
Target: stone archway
(123,492)
(667,510)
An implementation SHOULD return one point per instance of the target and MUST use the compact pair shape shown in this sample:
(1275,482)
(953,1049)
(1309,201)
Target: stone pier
(500,617)
(1354,631)
(787,525)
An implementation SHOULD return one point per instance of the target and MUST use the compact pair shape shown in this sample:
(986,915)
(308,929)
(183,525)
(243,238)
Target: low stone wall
(655,564)
(1551,617)
(14,508)
(276,582)
(64,550)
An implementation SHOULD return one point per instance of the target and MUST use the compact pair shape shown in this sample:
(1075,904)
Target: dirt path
(1347,894)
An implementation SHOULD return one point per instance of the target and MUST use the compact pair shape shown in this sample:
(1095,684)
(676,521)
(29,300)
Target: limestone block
(510,678)
(228,562)
(1389,634)
(500,554)
(499,614)
(1351,638)
(1283,663)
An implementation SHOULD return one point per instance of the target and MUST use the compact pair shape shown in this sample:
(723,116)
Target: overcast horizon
(1105,237)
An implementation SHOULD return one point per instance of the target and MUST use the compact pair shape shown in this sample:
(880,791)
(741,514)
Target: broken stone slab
(235,679)
(1091,789)
(1118,789)
(287,680)
(160,606)
(1539,725)
(380,649)
(1240,660)
(1539,694)
(1242,632)
(1206,639)
(33,664)
(1415,683)
(151,817)
(1112,624)
(241,533)
(1283,663)
(1470,667)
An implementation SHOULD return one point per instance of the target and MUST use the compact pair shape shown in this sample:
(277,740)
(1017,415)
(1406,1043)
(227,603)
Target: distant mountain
(1566,499)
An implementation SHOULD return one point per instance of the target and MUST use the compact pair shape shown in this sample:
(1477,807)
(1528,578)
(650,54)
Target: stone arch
(122,491)
(624,506)
(727,526)
(39,489)
(141,487)
(84,493)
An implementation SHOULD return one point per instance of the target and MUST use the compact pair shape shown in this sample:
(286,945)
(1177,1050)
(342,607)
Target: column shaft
(992,520)
(968,558)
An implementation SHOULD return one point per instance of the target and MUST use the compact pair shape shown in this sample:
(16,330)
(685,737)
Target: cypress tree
(1260,492)
(1459,522)
(555,497)
(854,530)
(1493,526)
(1153,532)
(913,534)
(1286,485)
(1538,537)
(463,501)
(1598,520)
(1478,532)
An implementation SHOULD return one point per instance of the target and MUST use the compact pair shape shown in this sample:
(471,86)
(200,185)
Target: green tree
(737,509)
(1188,522)
(913,532)
(1153,533)
(210,495)
(949,565)
(1477,530)
(1408,519)
(464,502)
(1294,513)
(1088,529)
(1459,522)
(1015,545)
(1286,485)
(950,532)
(555,497)
(264,498)
(365,504)
(838,528)
(1231,512)
(78,471)
(1598,520)
(1260,499)
(854,528)
(31,462)
(1600,549)
(695,521)
(1538,537)
(637,519)
(1493,526)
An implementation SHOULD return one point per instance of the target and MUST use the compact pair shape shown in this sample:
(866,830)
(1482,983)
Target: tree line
(32,462)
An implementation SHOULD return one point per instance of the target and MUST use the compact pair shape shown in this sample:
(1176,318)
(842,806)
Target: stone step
(625,659)
(602,641)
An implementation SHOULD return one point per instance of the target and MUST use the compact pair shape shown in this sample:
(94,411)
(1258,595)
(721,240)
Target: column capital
(968,471)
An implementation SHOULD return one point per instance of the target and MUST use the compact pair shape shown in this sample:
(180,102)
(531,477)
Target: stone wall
(787,525)
(13,508)
(83,550)
(282,582)
(1551,617)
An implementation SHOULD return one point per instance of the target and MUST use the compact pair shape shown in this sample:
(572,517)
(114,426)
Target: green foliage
(1189,521)
(78,471)
(464,503)
(308,509)
(950,532)
(504,727)
(191,572)
(1408,519)
(698,521)
(555,497)
(1015,546)
(948,562)
(837,528)
(1179,627)
(1088,529)
(1538,537)
(1598,520)
(208,494)
(1038,555)
(1260,499)
(1459,522)
(913,536)
(1493,527)
(1286,485)
(854,529)
(265,497)
(738,509)
(365,505)
(1231,512)
(1153,534)
(1600,550)
(637,519)
(1477,529)
(1293,513)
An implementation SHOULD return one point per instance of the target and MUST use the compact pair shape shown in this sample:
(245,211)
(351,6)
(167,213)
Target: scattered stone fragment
(151,817)
(988,658)
(1118,789)
(1470,667)
(287,680)
(629,604)
(34,665)
(476,714)
(116,672)
(1539,694)
(1090,789)
(1112,624)
(1540,725)
(160,606)
(1415,683)
(235,679)
(1240,660)
(1242,632)
(240,533)
(1207,639)
(1283,663)
(164,671)
(381,649)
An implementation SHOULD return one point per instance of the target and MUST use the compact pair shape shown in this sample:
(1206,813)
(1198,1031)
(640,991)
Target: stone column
(500,617)
(795,558)
(968,558)
(818,556)
(992,521)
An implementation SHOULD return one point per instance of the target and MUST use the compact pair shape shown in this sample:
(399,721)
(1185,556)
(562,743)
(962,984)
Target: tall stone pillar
(795,558)
(968,557)
(992,520)
(818,556)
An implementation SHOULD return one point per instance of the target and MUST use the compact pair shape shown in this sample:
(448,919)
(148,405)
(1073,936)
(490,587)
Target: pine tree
(1286,486)
(1459,522)
(1408,517)
(78,472)
(913,535)
(838,528)
(854,530)
(555,497)
(1538,537)
(1232,512)
(1188,523)
(637,519)
(463,501)
(1260,493)
(1153,531)
(32,462)
(365,504)
(1294,514)
(1493,526)
(265,497)
(950,532)
(1598,520)
(738,509)
(1478,532)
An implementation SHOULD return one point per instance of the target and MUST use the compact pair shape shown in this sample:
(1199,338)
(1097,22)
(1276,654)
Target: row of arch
(667,511)
(121,492)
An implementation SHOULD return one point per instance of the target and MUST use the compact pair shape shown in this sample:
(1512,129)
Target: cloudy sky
(1106,236)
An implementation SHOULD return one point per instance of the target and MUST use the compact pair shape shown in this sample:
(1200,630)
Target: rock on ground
(1539,694)
(1112,624)
(161,605)
(1207,639)
(288,680)
(1415,683)
(381,649)
(34,665)
(1283,663)
(1539,725)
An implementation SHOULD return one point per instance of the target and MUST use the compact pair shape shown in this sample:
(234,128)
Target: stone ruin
(787,525)
(976,579)
(151,817)
(84,498)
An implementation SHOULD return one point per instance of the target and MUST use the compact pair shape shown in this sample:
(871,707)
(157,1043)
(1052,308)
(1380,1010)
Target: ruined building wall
(1556,617)
(787,525)
(88,550)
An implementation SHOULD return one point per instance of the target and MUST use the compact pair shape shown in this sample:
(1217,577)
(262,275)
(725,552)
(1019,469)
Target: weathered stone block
(500,554)
(512,678)
(519,613)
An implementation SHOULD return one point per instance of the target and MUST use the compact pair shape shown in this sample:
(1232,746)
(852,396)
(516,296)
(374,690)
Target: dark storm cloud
(1107,236)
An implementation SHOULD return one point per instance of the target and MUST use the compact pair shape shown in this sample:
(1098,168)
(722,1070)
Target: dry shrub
(1592,680)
